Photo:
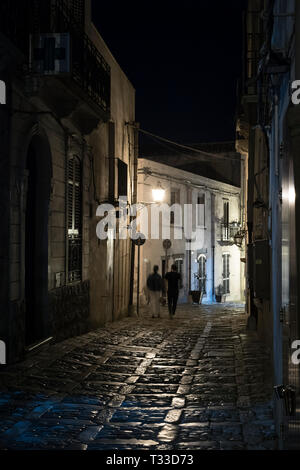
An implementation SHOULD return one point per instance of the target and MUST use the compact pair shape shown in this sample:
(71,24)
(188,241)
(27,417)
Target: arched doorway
(38,171)
(202,273)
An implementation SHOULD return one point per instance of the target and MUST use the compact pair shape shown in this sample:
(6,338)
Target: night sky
(183,59)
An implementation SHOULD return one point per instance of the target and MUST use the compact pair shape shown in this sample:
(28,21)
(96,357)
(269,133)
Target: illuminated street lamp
(158,193)
(239,237)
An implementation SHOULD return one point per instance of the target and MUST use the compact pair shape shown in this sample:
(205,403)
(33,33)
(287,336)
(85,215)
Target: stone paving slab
(198,381)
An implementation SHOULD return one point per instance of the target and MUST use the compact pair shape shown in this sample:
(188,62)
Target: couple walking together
(155,285)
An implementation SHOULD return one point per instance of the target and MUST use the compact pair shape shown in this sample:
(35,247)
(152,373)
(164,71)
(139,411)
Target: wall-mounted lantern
(158,193)
(239,237)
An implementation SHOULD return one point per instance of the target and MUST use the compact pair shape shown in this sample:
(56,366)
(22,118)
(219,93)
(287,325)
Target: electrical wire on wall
(149,172)
(185,147)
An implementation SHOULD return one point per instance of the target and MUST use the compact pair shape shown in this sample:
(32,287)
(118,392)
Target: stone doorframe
(38,142)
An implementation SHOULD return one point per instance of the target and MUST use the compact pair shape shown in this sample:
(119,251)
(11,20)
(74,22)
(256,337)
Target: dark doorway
(202,274)
(38,172)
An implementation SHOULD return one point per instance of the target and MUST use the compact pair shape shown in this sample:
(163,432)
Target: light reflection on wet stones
(164,370)
(194,431)
(161,389)
(124,360)
(145,416)
(153,379)
(107,377)
(195,416)
(123,431)
(144,386)
(147,401)
(159,361)
(119,369)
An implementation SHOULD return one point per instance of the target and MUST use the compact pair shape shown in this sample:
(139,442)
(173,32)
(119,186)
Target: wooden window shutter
(201,210)
(122,178)
(226,212)
(226,273)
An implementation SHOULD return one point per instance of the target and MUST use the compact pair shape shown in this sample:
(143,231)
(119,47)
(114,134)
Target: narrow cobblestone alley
(198,381)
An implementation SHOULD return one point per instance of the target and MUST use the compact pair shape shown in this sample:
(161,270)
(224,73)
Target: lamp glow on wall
(158,193)
(292,194)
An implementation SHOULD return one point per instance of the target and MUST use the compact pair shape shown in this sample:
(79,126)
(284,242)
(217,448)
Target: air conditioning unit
(50,53)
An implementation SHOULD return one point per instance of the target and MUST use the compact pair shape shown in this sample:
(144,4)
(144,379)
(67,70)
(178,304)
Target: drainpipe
(66,156)
(189,268)
(111,159)
(213,243)
(213,273)
(276,131)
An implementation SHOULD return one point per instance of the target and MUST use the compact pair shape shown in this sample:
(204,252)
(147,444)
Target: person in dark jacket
(173,278)
(154,284)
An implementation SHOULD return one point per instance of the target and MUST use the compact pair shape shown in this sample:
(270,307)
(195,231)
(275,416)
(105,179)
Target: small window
(225,226)
(226,273)
(74,219)
(226,212)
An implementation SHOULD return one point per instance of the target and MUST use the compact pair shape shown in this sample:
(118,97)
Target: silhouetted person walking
(154,284)
(173,278)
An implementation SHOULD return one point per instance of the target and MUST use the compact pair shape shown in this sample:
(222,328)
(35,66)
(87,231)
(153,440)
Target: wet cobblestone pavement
(199,381)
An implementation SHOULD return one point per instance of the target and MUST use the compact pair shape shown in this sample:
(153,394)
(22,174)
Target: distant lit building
(215,261)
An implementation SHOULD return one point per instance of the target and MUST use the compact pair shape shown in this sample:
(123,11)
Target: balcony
(63,67)
(227,233)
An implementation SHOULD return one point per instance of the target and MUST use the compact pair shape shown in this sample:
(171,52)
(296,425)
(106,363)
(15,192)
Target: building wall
(111,302)
(56,130)
(222,248)
(271,146)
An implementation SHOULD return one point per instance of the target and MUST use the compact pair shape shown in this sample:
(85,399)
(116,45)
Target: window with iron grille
(74,219)
(202,273)
(226,273)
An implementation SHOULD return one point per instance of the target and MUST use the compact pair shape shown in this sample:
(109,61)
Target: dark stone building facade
(268,130)
(63,139)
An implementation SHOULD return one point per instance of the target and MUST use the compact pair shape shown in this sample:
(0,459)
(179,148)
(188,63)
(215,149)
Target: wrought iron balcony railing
(228,232)
(20,20)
